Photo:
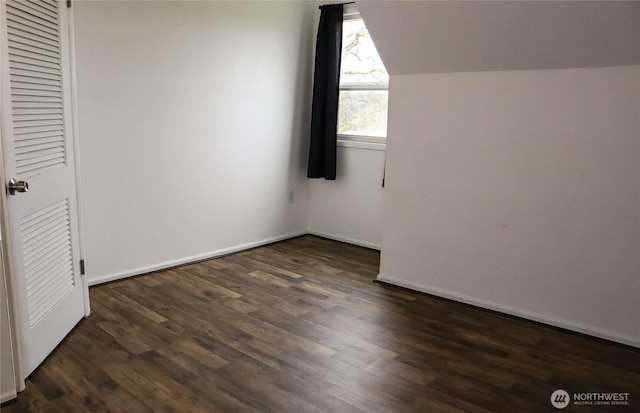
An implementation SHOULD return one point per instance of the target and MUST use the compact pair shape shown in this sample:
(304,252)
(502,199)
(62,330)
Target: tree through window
(364,84)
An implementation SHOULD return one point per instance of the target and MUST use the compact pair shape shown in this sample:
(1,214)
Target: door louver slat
(38,149)
(33,81)
(23,100)
(40,122)
(36,105)
(31,41)
(52,284)
(49,4)
(33,144)
(37,32)
(32,157)
(31,86)
(32,161)
(42,166)
(36,86)
(36,93)
(43,21)
(38,116)
(36,66)
(33,226)
(59,291)
(37,10)
(33,73)
(22,55)
(57,237)
(48,265)
(48,8)
(27,111)
(38,141)
(22,48)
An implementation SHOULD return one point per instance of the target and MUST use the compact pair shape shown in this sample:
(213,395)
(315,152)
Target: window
(364,84)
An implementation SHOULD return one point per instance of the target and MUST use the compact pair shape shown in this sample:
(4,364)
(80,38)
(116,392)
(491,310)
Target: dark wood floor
(299,326)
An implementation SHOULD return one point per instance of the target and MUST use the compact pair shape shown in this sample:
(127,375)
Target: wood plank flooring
(299,326)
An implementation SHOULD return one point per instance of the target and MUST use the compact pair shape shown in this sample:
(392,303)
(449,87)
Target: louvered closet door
(38,148)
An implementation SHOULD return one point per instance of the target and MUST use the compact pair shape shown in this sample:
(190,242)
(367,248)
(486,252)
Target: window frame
(375,142)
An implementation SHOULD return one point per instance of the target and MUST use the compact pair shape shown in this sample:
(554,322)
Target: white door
(37,135)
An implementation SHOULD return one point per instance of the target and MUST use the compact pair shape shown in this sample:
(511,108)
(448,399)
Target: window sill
(376,146)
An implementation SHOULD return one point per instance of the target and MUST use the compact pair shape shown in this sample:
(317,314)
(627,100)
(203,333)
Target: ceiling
(468,36)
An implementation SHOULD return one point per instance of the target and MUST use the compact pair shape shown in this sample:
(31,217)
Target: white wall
(519,191)
(350,208)
(193,118)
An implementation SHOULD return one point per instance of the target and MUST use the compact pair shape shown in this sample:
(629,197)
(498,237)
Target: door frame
(4,218)
(14,328)
(76,149)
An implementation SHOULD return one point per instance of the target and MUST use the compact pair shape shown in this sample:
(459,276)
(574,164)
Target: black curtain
(326,82)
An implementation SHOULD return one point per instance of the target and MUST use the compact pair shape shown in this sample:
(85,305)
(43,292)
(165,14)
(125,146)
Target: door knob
(17,186)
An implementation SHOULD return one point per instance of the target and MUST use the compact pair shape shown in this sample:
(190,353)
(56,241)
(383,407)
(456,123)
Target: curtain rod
(334,4)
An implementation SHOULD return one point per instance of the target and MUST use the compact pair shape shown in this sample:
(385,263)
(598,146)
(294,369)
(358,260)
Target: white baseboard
(194,258)
(529,315)
(8,395)
(553,321)
(345,239)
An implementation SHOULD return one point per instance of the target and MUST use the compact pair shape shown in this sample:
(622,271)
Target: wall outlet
(292,195)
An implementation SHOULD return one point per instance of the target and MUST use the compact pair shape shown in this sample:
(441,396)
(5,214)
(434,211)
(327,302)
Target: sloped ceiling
(467,36)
